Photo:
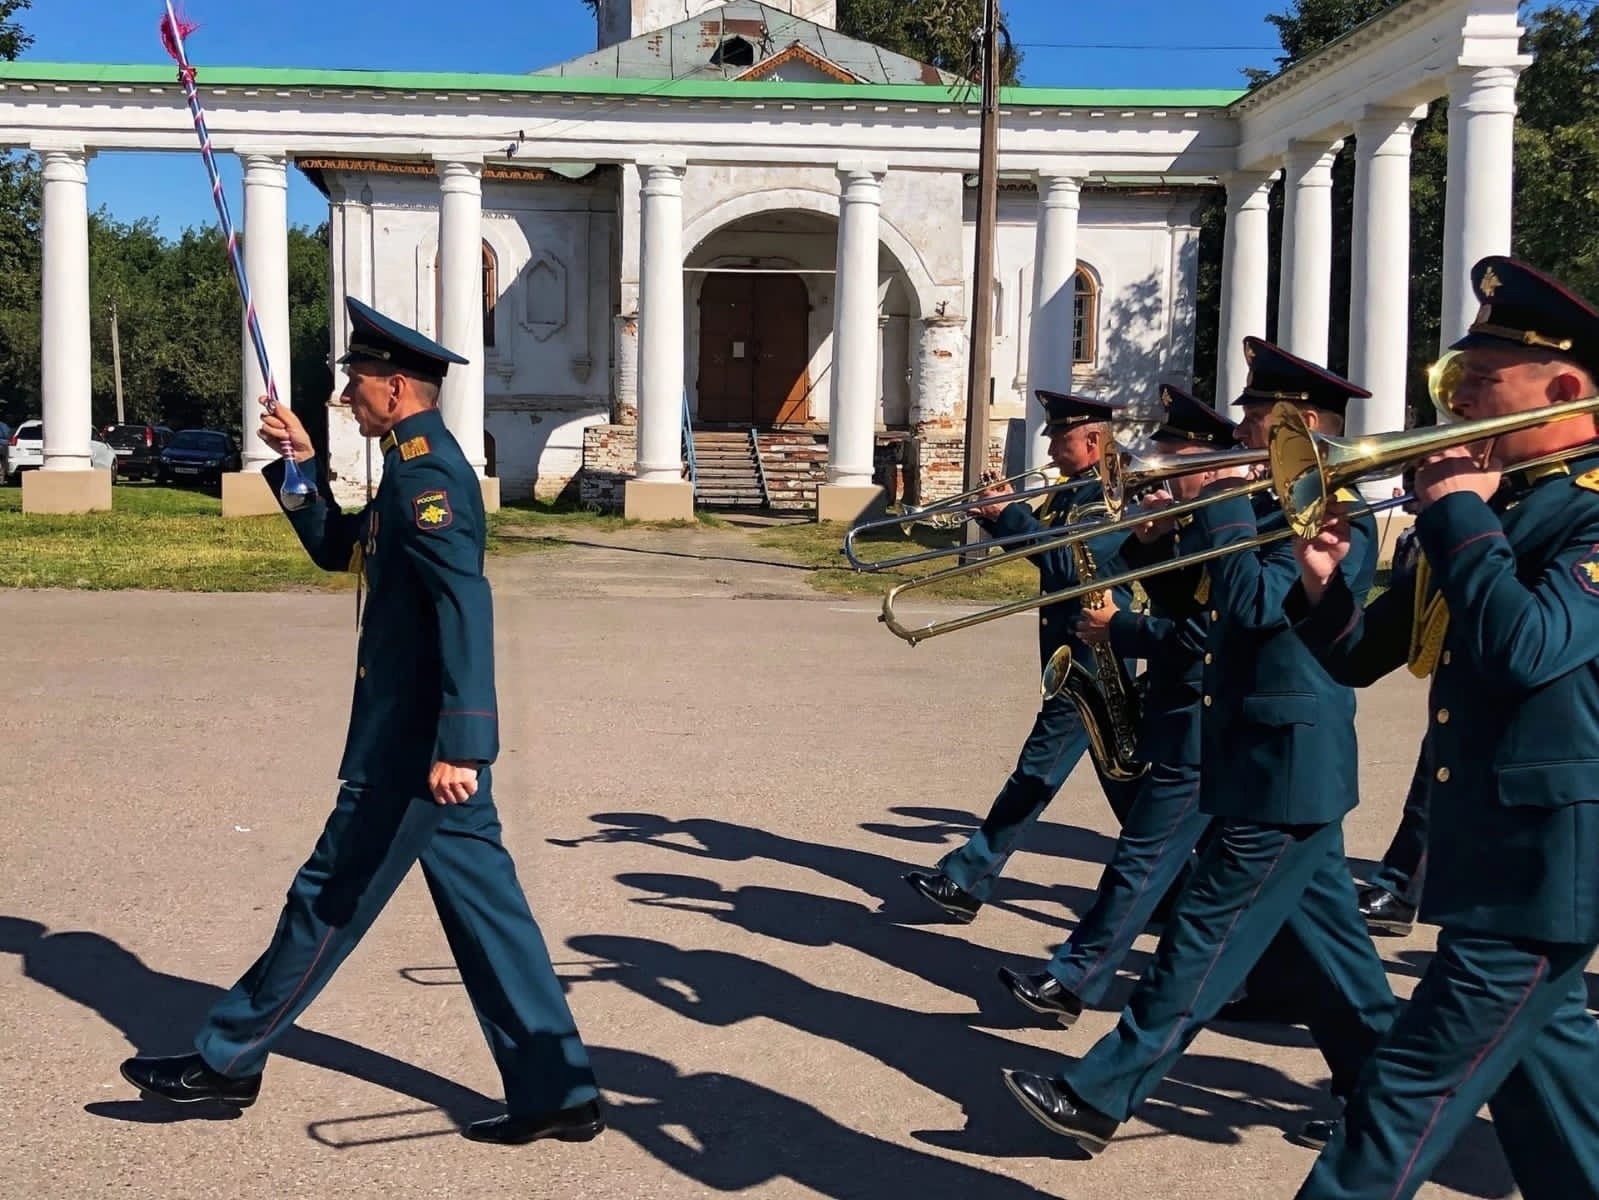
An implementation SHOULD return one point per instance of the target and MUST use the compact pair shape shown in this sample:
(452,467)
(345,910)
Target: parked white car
(25,451)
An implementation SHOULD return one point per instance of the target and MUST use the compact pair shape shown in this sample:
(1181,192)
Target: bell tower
(619,20)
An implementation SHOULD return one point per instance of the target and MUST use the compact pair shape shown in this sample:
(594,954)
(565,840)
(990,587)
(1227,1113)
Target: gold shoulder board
(1588,480)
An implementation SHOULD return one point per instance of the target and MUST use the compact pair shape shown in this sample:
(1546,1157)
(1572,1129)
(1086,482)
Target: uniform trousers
(1492,1021)
(1251,880)
(1157,839)
(1057,742)
(369,844)
(1404,864)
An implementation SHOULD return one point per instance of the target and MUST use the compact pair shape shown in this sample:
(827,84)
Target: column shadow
(151,1009)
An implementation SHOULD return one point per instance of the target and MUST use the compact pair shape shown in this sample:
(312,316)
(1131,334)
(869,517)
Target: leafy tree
(13,38)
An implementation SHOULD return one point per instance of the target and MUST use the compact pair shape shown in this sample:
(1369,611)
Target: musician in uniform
(1165,821)
(1079,433)
(423,734)
(1279,769)
(1504,618)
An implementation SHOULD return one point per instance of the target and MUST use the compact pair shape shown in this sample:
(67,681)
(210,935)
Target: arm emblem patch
(432,510)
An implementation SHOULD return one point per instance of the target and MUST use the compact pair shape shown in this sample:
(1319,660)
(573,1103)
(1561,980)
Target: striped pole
(173,32)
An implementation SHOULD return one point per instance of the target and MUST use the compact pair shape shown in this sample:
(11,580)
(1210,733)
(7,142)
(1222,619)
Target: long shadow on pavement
(873,874)
(154,1011)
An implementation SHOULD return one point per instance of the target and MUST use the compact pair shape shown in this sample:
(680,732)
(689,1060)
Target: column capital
(864,170)
(1390,127)
(648,163)
(460,174)
(1485,89)
(62,164)
(861,186)
(263,168)
(1058,190)
(1248,189)
(1309,164)
(662,178)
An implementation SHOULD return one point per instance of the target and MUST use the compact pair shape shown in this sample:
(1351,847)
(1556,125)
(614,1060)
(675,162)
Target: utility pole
(979,384)
(116,360)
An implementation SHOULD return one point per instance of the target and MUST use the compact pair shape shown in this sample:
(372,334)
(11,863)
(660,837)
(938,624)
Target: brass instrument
(952,513)
(1107,702)
(1126,473)
(1307,470)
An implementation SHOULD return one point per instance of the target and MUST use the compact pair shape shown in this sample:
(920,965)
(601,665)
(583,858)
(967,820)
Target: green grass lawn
(173,539)
(822,546)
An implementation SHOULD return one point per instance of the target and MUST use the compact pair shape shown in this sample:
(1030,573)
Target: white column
(1379,293)
(660,326)
(1477,204)
(1304,303)
(853,399)
(461,301)
(266,263)
(64,352)
(1245,253)
(1049,347)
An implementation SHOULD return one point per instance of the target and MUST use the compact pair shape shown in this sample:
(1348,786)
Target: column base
(248,494)
(849,502)
(658,501)
(491,492)
(59,492)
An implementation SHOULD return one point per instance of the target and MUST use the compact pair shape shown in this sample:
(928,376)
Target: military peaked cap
(1275,374)
(1062,412)
(380,339)
(1185,419)
(1521,306)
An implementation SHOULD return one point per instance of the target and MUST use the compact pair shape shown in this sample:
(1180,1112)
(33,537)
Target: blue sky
(1128,43)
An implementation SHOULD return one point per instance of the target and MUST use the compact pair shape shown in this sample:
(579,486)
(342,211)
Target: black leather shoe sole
(1092,1143)
(1389,926)
(188,1095)
(1037,1004)
(1315,1134)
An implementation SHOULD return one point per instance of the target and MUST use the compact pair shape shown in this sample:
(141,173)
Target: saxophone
(1108,704)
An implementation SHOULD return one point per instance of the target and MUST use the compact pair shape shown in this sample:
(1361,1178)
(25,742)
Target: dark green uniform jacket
(1057,569)
(1278,733)
(424,686)
(1508,597)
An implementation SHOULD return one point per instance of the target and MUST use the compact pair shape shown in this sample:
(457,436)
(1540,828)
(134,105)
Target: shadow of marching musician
(143,1004)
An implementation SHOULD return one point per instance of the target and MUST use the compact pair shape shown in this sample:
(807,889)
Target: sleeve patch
(413,448)
(432,510)
(1586,569)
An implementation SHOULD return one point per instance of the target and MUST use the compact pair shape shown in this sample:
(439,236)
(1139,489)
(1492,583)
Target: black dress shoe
(958,904)
(1043,993)
(580,1123)
(185,1079)
(1051,1103)
(1317,1133)
(1386,913)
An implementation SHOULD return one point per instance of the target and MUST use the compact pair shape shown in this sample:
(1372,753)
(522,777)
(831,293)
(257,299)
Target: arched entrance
(754,349)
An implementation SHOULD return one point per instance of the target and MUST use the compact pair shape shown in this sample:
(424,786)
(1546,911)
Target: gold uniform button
(1214,615)
(1447,656)
(1207,701)
(361,673)
(1443,775)
(1209,658)
(1443,716)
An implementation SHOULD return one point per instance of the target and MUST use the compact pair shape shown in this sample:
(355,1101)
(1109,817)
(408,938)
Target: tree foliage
(13,38)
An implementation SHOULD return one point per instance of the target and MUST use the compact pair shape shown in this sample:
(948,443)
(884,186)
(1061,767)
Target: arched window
(491,294)
(1085,319)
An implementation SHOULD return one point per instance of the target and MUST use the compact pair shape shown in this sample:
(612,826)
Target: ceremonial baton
(297,489)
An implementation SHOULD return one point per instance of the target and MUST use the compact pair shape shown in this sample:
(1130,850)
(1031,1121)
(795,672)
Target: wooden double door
(755,350)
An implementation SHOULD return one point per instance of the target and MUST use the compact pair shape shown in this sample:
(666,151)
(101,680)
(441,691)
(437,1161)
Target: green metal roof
(438,82)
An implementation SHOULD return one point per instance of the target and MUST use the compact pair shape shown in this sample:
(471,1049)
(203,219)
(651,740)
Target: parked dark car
(198,456)
(138,448)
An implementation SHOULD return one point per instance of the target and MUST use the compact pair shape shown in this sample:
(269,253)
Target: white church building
(732,255)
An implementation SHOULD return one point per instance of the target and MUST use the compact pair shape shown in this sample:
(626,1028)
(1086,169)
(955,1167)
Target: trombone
(1307,469)
(950,513)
